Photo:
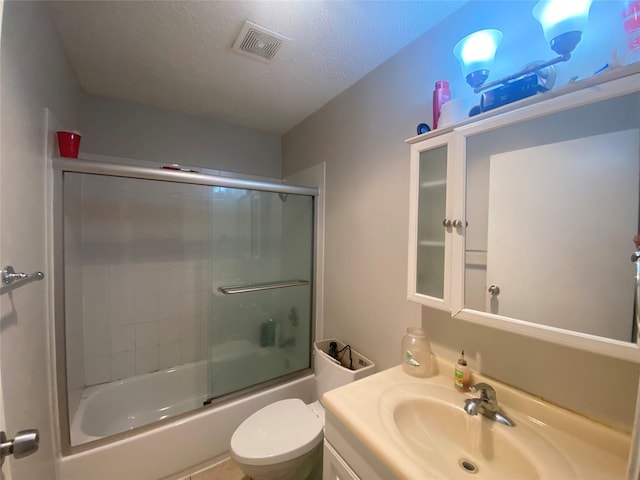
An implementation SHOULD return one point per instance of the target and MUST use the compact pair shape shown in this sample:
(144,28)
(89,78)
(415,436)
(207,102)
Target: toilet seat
(278,432)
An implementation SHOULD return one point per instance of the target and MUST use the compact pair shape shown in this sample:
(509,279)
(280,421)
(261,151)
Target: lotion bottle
(461,376)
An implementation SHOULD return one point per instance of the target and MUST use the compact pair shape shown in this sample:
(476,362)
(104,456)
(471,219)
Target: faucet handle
(485,390)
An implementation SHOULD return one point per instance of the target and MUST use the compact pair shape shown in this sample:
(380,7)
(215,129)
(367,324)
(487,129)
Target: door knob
(24,444)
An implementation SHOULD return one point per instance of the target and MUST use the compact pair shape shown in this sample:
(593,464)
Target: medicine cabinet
(524,219)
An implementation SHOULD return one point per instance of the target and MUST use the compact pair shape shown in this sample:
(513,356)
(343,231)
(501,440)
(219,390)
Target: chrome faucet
(486,404)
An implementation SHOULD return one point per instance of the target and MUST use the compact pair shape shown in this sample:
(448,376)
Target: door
(436,225)
(591,218)
(25,390)
(6,471)
(261,263)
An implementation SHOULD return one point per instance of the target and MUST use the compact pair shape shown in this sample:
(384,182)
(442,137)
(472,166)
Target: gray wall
(125,129)
(360,137)
(34,75)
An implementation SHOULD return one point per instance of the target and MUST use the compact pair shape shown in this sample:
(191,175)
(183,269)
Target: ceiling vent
(258,42)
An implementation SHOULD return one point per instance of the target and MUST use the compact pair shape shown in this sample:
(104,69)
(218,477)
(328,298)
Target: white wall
(124,129)
(35,75)
(360,137)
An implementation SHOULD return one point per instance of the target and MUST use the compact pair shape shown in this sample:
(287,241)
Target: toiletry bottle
(631,23)
(461,375)
(441,95)
(416,352)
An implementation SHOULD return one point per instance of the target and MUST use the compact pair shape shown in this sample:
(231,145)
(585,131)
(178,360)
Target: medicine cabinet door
(436,225)
(552,205)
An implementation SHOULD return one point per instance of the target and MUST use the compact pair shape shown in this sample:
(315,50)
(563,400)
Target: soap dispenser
(461,375)
(416,352)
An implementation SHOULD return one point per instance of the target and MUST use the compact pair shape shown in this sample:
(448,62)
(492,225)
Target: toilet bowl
(283,441)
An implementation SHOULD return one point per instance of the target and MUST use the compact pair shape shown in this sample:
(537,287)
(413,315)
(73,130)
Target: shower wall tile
(190,351)
(121,311)
(122,338)
(147,360)
(169,330)
(96,316)
(97,370)
(147,335)
(97,343)
(169,355)
(191,327)
(123,365)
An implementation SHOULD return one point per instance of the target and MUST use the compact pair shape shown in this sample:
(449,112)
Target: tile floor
(226,470)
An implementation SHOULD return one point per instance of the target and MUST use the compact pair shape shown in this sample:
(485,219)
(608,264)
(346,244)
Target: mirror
(552,209)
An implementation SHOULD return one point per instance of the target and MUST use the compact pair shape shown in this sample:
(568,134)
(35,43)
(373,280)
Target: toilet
(283,440)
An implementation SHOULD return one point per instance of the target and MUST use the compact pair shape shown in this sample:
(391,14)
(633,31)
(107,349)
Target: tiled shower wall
(145,278)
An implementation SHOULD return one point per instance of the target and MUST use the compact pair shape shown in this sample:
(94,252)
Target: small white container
(416,352)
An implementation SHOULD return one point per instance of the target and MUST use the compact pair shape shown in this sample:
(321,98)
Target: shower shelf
(256,287)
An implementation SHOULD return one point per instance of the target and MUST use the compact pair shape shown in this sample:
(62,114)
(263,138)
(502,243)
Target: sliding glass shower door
(261,270)
(174,289)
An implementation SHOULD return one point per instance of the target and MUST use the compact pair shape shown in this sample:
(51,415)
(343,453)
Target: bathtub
(116,407)
(171,447)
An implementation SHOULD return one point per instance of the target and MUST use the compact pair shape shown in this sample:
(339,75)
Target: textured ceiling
(177,54)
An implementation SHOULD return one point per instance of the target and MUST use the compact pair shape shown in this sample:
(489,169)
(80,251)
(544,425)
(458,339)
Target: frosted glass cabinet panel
(431,238)
(432,203)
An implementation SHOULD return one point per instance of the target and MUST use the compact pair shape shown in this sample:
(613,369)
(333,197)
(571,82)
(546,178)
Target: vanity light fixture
(563,22)
(475,52)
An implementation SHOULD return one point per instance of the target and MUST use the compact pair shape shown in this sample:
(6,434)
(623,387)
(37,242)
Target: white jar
(416,352)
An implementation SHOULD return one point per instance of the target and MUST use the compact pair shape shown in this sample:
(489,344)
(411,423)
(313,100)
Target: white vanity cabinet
(334,467)
(523,218)
(346,457)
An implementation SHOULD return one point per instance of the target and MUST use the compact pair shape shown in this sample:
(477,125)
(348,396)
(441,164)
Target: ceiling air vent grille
(258,42)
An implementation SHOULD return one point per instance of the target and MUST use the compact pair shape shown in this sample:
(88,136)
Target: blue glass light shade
(475,52)
(563,22)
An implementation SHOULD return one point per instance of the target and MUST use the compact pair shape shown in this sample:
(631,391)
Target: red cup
(69,144)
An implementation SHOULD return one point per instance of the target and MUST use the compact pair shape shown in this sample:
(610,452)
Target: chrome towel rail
(256,287)
(12,279)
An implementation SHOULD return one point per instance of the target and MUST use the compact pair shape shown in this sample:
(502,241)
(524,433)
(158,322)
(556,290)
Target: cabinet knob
(446,223)
(456,223)
(494,290)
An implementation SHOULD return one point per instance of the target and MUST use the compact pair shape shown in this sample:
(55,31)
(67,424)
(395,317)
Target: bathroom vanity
(523,218)
(393,425)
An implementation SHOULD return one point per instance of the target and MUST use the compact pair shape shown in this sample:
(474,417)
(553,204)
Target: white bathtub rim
(203,437)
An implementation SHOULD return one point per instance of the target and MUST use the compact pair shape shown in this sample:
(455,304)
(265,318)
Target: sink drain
(468,466)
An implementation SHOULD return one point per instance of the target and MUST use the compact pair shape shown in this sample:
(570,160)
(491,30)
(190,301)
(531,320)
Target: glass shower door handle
(257,287)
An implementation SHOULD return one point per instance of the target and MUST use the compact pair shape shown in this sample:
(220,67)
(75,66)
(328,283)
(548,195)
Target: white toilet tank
(332,373)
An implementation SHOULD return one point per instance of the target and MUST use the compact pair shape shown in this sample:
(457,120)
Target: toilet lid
(276,433)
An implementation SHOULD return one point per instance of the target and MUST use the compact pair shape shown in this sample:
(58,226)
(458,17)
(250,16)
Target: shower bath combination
(179,289)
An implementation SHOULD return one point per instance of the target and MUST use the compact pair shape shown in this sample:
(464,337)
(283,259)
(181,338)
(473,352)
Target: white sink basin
(430,425)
